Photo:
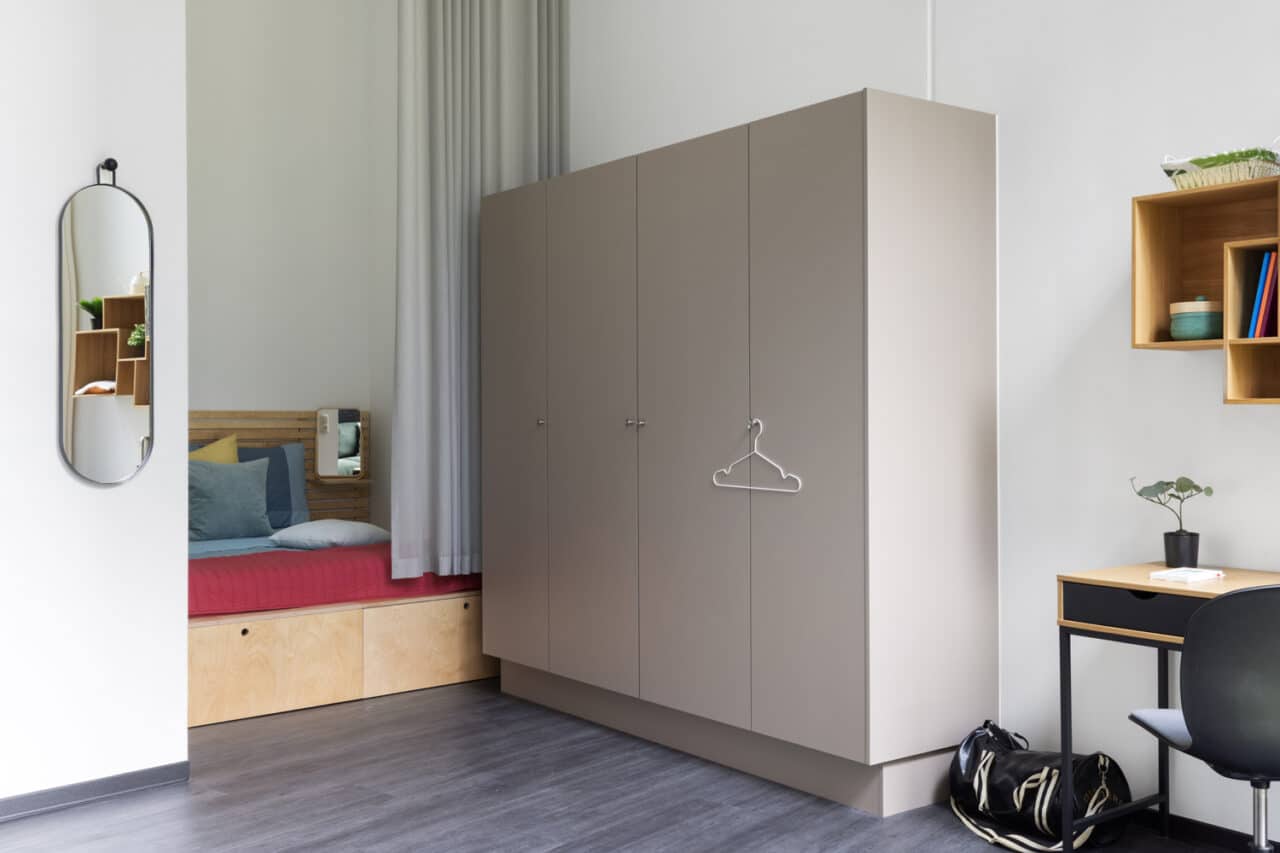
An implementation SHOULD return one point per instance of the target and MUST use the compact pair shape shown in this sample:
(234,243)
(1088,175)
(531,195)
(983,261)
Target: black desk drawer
(1130,610)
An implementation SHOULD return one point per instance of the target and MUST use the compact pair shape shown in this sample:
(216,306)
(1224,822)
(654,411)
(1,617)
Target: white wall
(292,123)
(642,75)
(1089,96)
(106,436)
(93,641)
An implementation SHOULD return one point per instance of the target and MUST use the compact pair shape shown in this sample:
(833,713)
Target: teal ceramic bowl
(1196,327)
(1195,321)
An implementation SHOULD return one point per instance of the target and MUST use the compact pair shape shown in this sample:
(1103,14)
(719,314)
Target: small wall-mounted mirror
(341,443)
(105,331)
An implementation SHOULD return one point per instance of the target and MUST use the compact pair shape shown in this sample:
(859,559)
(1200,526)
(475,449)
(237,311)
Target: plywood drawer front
(263,666)
(423,644)
(1115,609)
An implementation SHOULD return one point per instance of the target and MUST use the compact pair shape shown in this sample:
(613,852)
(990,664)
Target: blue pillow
(286,482)
(227,501)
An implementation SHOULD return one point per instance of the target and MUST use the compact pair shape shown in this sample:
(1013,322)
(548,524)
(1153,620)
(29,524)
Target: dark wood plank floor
(465,768)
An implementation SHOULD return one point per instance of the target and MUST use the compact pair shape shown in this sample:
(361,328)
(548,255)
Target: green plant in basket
(138,336)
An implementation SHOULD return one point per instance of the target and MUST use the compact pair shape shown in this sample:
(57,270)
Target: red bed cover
(279,580)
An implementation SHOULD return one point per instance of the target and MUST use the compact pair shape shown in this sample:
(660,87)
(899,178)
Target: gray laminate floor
(465,768)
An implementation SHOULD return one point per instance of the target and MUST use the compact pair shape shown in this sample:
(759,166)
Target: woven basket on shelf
(1244,164)
(1245,170)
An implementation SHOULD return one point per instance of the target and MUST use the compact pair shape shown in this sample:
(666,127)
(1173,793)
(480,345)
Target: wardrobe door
(591,431)
(808,597)
(695,595)
(513,444)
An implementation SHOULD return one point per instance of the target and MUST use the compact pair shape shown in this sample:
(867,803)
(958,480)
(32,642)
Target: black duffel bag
(1009,796)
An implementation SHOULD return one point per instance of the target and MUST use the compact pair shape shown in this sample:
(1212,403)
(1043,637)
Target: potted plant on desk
(1181,546)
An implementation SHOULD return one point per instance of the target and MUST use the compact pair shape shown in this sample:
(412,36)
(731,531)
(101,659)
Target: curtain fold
(480,97)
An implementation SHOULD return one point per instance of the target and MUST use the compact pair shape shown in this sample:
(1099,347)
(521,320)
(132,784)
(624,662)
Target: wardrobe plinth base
(882,789)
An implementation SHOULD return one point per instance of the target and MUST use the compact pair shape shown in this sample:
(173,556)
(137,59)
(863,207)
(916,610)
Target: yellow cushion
(224,450)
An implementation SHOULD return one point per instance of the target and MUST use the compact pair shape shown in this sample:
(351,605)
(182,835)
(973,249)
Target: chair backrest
(1231,682)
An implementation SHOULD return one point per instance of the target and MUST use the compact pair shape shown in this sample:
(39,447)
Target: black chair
(1230,716)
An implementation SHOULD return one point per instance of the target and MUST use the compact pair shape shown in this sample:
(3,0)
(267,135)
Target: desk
(1124,605)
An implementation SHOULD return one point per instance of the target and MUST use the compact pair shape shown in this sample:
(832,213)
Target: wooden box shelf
(1243,261)
(1208,242)
(1178,240)
(1253,371)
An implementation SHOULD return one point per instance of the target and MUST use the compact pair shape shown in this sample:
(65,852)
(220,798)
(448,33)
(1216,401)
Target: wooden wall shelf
(1216,343)
(1208,242)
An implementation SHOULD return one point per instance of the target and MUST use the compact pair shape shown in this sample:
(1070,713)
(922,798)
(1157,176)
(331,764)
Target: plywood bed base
(250,664)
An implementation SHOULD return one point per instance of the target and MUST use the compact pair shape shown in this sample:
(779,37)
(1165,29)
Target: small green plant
(1164,493)
(138,336)
(92,307)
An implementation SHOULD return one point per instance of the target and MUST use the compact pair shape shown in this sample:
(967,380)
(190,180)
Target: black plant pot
(95,323)
(1181,549)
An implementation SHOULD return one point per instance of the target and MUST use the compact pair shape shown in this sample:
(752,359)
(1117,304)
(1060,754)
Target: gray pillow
(227,501)
(330,533)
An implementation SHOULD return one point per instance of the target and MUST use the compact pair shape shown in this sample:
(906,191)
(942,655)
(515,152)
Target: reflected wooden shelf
(94,359)
(104,354)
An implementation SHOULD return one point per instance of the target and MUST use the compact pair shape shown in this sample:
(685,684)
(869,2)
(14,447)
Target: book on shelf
(1188,575)
(1257,296)
(1266,327)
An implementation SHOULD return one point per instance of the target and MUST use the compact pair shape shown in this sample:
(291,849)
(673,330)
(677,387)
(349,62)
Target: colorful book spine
(1257,296)
(1266,325)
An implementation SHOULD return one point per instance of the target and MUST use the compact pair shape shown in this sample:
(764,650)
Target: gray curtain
(480,110)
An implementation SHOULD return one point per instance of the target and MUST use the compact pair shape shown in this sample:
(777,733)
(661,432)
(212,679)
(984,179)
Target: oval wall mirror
(105,329)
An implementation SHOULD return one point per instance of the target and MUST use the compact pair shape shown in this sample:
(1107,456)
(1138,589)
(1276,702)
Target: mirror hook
(108,165)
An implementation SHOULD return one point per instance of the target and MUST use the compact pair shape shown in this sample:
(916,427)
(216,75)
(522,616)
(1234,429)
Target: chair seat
(1167,724)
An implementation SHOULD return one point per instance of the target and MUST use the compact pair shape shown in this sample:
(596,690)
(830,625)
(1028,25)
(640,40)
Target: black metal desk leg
(1162,699)
(1066,786)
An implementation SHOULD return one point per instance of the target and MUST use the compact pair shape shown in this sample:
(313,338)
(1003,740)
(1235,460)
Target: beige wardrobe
(831,272)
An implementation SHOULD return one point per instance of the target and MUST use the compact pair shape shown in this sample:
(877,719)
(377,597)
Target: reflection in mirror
(340,443)
(105,310)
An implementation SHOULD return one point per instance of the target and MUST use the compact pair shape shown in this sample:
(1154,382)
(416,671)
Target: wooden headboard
(329,498)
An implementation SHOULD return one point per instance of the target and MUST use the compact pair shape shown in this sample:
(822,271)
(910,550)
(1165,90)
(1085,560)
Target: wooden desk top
(1138,577)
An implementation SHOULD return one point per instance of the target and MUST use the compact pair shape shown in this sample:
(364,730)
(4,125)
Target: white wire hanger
(786,476)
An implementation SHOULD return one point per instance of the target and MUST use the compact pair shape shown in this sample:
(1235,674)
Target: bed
(275,629)
(251,575)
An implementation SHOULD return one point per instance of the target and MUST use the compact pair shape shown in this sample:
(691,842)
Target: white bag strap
(980,781)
